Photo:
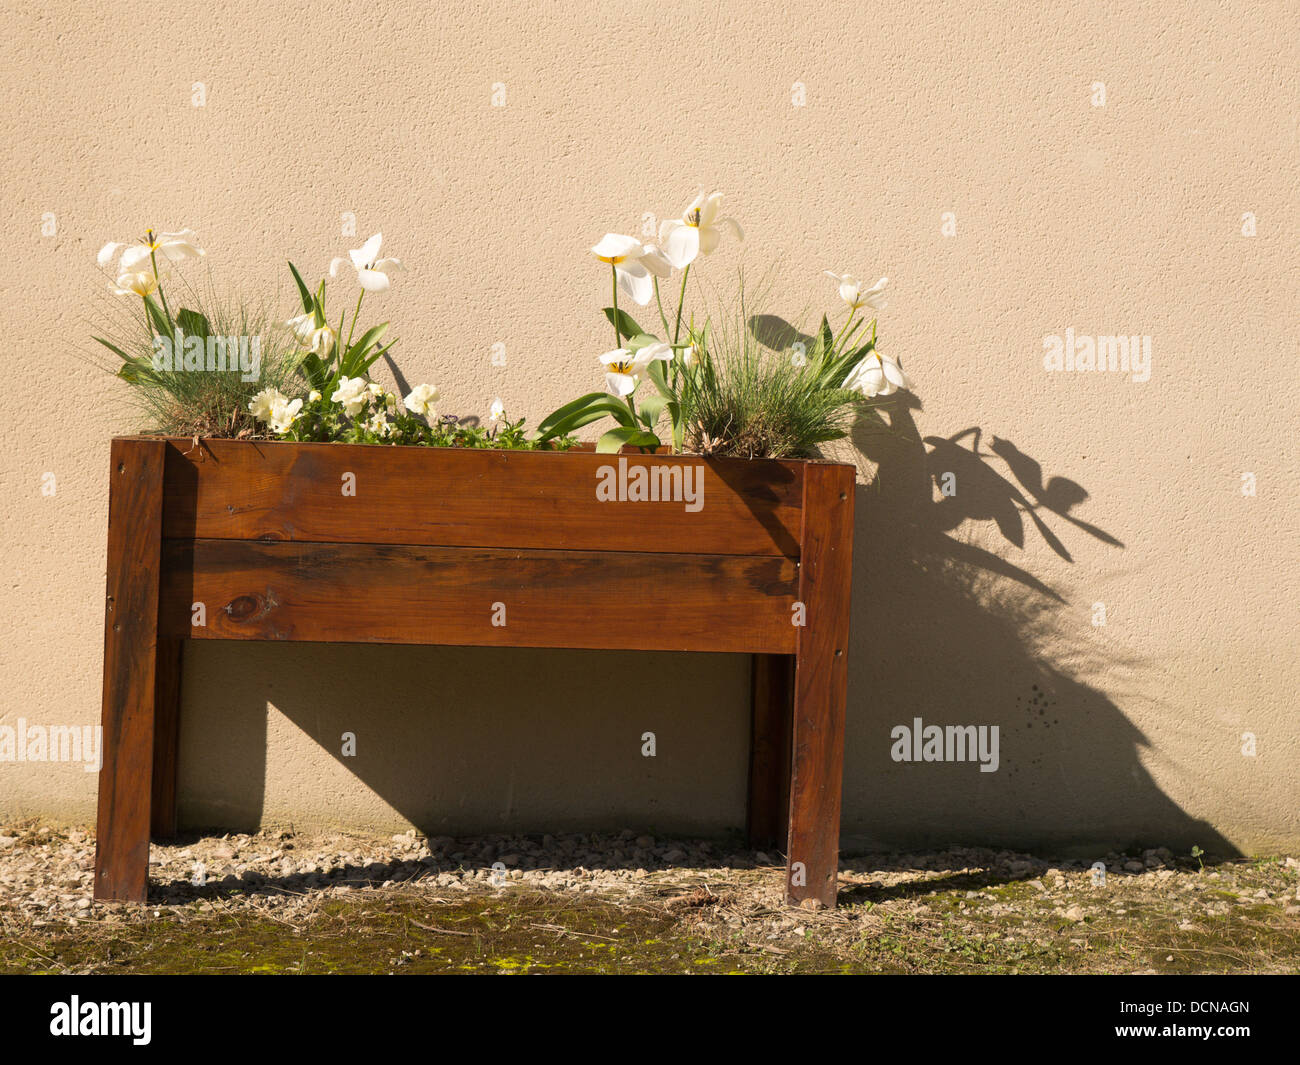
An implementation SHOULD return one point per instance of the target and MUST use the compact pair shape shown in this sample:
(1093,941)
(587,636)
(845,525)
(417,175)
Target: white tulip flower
(633,263)
(877,375)
(699,232)
(318,339)
(851,292)
(139,283)
(353,394)
(372,272)
(623,367)
(421,400)
(174,247)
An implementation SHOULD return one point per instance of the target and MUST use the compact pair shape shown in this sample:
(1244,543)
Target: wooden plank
(167,728)
(771,692)
(820,685)
(386,593)
(130,669)
(254,490)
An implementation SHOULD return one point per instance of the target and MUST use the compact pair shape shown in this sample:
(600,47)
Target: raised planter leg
(131,670)
(820,685)
(771,694)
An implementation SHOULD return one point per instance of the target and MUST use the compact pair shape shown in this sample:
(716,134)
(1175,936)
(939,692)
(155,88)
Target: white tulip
(372,272)
(633,263)
(852,294)
(352,393)
(140,283)
(699,232)
(318,339)
(623,367)
(174,247)
(877,375)
(421,400)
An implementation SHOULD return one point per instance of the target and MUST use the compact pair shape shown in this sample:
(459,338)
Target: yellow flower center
(693,218)
(621,367)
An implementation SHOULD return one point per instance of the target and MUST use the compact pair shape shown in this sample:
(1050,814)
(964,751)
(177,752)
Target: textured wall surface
(964,150)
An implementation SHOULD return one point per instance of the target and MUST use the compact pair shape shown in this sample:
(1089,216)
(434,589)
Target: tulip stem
(663,318)
(618,333)
(161,295)
(681,302)
(837,340)
(353,326)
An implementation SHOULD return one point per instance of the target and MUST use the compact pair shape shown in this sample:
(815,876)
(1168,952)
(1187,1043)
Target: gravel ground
(955,910)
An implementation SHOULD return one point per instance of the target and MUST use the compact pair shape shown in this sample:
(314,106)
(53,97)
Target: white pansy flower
(623,367)
(421,400)
(877,375)
(372,272)
(313,396)
(283,414)
(497,411)
(851,292)
(699,232)
(633,263)
(173,247)
(352,393)
(263,403)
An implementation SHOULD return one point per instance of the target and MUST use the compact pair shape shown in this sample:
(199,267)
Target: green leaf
(157,318)
(315,371)
(303,290)
(114,349)
(624,324)
(317,307)
(560,413)
(656,372)
(354,358)
(192,323)
(641,340)
(679,425)
(615,440)
(651,408)
(588,409)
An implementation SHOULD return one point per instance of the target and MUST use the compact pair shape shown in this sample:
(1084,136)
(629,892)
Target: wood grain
(167,730)
(130,669)
(820,684)
(246,490)
(386,593)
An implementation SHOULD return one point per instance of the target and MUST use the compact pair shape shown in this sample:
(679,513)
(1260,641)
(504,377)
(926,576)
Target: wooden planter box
(412,545)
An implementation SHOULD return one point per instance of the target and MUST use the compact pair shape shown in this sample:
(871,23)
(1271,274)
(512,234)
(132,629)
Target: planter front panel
(256,490)
(387,593)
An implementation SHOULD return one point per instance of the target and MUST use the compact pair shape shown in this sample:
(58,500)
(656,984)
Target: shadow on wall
(954,634)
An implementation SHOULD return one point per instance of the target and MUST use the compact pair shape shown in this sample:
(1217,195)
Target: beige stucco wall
(1123,218)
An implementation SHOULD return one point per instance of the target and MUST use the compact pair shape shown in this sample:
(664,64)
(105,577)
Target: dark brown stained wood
(771,691)
(167,728)
(820,684)
(130,669)
(254,490)
(386,593)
